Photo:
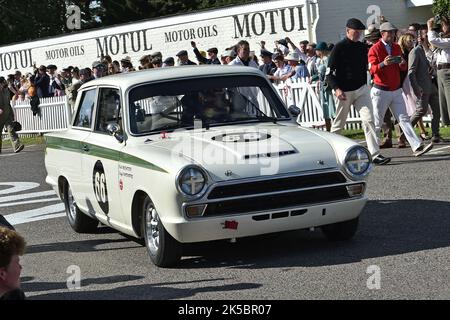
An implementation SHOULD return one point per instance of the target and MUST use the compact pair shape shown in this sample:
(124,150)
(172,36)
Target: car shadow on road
(387,228)
(29,286)
(160,291)
(399,160)
(83,245)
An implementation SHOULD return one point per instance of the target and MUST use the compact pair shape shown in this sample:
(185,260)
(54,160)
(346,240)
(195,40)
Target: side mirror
(295,111)
(114,130)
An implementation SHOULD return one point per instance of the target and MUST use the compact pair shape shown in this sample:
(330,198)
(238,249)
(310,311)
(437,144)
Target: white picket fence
(307,97)
(56,113)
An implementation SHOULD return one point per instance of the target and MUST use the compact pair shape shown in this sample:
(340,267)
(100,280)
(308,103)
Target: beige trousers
(362,102)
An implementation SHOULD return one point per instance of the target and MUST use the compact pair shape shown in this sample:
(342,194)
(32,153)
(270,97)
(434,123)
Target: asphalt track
(404,235)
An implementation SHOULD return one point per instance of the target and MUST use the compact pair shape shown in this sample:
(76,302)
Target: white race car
(193,154)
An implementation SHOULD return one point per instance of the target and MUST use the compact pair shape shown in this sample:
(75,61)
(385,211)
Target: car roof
(127,80)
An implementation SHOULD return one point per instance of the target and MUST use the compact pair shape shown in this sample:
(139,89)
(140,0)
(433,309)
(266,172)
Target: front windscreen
(214,100)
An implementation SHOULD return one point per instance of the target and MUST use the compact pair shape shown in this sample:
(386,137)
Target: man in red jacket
(386,62)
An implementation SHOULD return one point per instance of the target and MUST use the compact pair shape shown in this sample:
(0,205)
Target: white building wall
(214,28)
(335,13)
(221,28)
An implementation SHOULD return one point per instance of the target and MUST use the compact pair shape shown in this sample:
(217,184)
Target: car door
(101,159)
(81,129)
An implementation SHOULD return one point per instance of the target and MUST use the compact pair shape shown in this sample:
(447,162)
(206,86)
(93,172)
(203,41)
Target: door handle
(85,148)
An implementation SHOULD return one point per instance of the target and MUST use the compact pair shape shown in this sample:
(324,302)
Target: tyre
(79,222)
(163,249)
(341,231)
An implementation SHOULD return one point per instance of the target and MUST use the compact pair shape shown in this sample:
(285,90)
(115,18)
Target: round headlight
(192,181)
(358,161)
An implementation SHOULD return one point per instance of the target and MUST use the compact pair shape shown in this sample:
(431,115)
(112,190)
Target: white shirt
(443,55)
(238,62)
(287,69)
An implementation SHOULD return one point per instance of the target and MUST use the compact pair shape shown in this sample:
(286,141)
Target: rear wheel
(163,249)
(79,222)
(341,231)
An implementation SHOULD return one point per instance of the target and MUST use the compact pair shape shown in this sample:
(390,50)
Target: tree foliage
(442,8)
(26,20)
(32,19)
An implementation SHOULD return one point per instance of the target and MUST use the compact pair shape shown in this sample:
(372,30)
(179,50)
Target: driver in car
(215,105)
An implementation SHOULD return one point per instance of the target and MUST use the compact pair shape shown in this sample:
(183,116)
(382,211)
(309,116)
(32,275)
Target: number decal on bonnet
(100,189)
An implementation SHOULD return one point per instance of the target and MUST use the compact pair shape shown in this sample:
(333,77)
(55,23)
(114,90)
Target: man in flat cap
(98,69)
(268,67)
(56,88)
(169,62)
(183,59)
(41,81)
(212,54)
(386,61)
(347,76)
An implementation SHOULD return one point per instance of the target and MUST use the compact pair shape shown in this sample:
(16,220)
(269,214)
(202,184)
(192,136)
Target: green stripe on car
(100,152)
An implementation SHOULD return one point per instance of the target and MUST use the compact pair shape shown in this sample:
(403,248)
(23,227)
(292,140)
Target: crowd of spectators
(307,62)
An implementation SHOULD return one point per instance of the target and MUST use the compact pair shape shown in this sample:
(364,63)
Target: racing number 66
(100,188)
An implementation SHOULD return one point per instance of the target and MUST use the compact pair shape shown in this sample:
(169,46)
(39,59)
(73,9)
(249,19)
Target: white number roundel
(100,187)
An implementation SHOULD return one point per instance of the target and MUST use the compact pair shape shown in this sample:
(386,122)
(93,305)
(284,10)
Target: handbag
(16,126)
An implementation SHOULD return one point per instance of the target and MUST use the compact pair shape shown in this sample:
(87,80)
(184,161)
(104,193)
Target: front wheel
(163,249)
(79,222)
(341,231)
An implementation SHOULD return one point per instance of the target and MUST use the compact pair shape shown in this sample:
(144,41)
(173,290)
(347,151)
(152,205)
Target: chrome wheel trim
(152,229)
(72,205)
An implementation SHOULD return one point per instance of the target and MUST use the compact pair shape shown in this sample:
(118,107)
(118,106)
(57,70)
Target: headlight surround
(192,181)
(358,162)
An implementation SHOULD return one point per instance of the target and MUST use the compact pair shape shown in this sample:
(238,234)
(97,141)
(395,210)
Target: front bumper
(213,228)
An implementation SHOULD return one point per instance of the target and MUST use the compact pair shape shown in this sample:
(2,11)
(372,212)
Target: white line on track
(12,204)
(18,187)
(46,213)
(27,196)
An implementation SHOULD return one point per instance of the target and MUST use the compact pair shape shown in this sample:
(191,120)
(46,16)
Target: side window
(85,110)
(108,109)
